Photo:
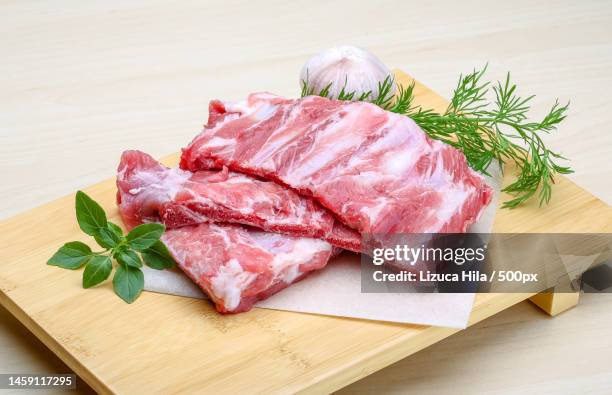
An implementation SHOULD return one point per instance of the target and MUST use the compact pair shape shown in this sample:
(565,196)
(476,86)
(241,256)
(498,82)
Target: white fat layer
(241,107)
(289,253)
(260,110)
(218,142)
(337,143)
(286,265)
(398,150)
(451,204)
(452,199)
(166,185)
(372,212)
(398,163)
(265,112)
(219,230)
(280,138)
(230,281)
(228,118)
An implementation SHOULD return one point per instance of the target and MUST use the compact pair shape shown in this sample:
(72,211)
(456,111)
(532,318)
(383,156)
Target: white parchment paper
(336,290)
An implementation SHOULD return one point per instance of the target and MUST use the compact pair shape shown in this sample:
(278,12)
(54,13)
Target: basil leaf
(157,256)
(116,229)
(97,270)
(109,237)
(71,255)
(128,258)
(90,216)
(145,235)
(128,283)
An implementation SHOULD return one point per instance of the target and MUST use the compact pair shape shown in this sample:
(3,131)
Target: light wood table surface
(82,81)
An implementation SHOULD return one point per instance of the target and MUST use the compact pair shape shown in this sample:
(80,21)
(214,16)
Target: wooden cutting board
(170,344)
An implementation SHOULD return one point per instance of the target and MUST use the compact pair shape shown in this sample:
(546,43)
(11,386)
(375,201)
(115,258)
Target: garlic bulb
(354,69)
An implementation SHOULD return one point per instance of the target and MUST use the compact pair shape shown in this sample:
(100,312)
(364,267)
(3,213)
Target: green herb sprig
(141,244)
(486,131)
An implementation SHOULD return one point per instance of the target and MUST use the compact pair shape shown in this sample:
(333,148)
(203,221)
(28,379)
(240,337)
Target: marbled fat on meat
(376,171)
(236,266)
(150,192)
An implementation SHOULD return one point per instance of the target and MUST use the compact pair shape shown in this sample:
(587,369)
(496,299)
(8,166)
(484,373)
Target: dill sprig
(485,130)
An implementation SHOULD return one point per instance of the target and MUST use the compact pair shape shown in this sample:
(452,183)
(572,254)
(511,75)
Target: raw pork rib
(377,171)
(237,266)
(149,191)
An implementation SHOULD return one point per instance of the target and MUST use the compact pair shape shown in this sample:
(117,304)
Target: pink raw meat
(236,266)
(149,191)
(376,171)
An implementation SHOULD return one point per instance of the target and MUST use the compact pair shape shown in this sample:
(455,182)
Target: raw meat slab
(374,170)
(237,266)
(149,191)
